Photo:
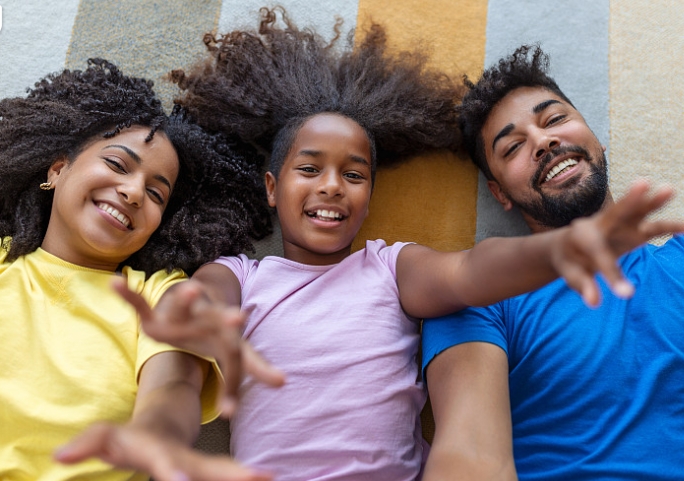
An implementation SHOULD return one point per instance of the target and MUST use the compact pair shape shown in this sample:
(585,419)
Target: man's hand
(128,447)
(594,244)
(186,319)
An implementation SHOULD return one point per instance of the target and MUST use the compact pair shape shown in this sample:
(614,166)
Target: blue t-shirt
(596,394)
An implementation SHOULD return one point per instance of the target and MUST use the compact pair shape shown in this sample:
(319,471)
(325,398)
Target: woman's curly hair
(257,83)
(218,203)
(526,67)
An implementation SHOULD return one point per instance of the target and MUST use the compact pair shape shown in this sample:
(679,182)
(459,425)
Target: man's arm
(468,386)
(433,283)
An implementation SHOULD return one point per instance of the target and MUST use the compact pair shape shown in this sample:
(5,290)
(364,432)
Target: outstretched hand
(594,244)
(129,447)
(186,319)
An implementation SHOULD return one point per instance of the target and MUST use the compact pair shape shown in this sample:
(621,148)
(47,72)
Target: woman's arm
(202,315)
(468,386)
(165,422)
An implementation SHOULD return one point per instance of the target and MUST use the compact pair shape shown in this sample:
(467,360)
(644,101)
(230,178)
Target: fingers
(133,298)
(662,227)
(91,443)
(130,448)
(259,368)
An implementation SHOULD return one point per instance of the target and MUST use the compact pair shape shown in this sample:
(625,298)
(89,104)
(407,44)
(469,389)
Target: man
(541,384)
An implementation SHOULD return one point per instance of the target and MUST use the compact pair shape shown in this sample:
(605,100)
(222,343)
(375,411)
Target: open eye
(308,169)
(354,176)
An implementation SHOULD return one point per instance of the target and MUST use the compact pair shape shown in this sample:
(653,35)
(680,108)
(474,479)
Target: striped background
(619,61)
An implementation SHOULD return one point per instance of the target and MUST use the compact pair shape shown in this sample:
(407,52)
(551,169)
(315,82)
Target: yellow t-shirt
(70,353)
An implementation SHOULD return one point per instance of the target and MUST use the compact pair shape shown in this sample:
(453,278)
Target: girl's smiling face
(323,189)
(110,199)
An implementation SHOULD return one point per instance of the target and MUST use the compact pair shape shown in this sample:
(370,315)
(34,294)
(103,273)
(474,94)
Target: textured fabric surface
(619,61)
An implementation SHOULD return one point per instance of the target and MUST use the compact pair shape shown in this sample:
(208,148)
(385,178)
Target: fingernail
(180,476)
(228,406)
(623,289)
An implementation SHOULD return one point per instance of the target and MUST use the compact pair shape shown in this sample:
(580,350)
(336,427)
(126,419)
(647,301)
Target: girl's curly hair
(218,203)
(526,67)
(257,83)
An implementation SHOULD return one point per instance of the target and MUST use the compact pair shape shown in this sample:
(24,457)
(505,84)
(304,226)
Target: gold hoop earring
(46,186)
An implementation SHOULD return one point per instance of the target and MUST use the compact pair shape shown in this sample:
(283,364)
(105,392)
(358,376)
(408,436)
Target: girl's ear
(499,194)
(55,170)
(270,188)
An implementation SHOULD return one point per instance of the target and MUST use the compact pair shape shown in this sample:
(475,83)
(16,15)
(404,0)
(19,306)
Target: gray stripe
(575,35)
(33,41)
(144,37)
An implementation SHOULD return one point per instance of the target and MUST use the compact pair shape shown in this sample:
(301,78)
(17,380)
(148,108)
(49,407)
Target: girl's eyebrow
(138,161)
(316,153)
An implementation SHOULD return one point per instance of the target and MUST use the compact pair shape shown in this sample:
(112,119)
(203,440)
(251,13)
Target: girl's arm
(433,283)
(468,386)
(164,424)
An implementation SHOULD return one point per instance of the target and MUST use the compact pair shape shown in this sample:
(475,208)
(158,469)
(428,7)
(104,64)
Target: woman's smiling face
(110,199)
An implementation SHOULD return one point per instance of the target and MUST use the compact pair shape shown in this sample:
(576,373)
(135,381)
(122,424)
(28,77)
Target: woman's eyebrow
(138,161)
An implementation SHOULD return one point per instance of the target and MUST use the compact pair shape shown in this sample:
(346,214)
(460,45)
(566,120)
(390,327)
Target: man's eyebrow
(535,110)
(503,133)
(540,107)
(138,161)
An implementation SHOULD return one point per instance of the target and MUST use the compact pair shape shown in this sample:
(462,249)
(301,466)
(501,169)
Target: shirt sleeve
(152,290)
(473,324)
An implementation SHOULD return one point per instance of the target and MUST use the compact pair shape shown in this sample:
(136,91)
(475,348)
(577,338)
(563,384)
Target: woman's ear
(270,188)
(55,170)
(499,194)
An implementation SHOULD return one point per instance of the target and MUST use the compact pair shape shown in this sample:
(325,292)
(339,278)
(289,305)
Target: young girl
(344,326)
(97,182)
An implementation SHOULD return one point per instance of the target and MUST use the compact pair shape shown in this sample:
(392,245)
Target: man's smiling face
(545,158)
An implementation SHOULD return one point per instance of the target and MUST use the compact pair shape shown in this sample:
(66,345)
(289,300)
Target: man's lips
(559,161)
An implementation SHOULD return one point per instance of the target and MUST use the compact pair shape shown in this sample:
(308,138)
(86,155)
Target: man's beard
(575,200)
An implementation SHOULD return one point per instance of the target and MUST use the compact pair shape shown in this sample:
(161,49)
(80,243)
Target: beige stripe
(144,37)
(647,88)
(431,199)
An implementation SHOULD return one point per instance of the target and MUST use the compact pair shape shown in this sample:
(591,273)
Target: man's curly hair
(263,84)
(526,67)
(218,203)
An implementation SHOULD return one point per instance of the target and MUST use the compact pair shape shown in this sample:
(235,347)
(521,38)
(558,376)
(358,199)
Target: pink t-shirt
(350,407)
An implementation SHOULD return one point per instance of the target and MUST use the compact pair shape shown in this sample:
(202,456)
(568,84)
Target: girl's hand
(129,447)
(594,244)
(186,319)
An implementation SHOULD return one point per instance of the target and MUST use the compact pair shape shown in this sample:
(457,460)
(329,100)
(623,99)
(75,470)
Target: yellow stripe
(431,199)
(145,38)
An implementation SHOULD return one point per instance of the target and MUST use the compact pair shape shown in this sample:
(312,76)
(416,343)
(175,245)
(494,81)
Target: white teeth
(328,214)
(560,168)
(115,213)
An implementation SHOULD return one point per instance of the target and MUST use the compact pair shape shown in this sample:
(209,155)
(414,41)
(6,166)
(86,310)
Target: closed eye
(156,196)
(555,119)
(511,150)
(115,165)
